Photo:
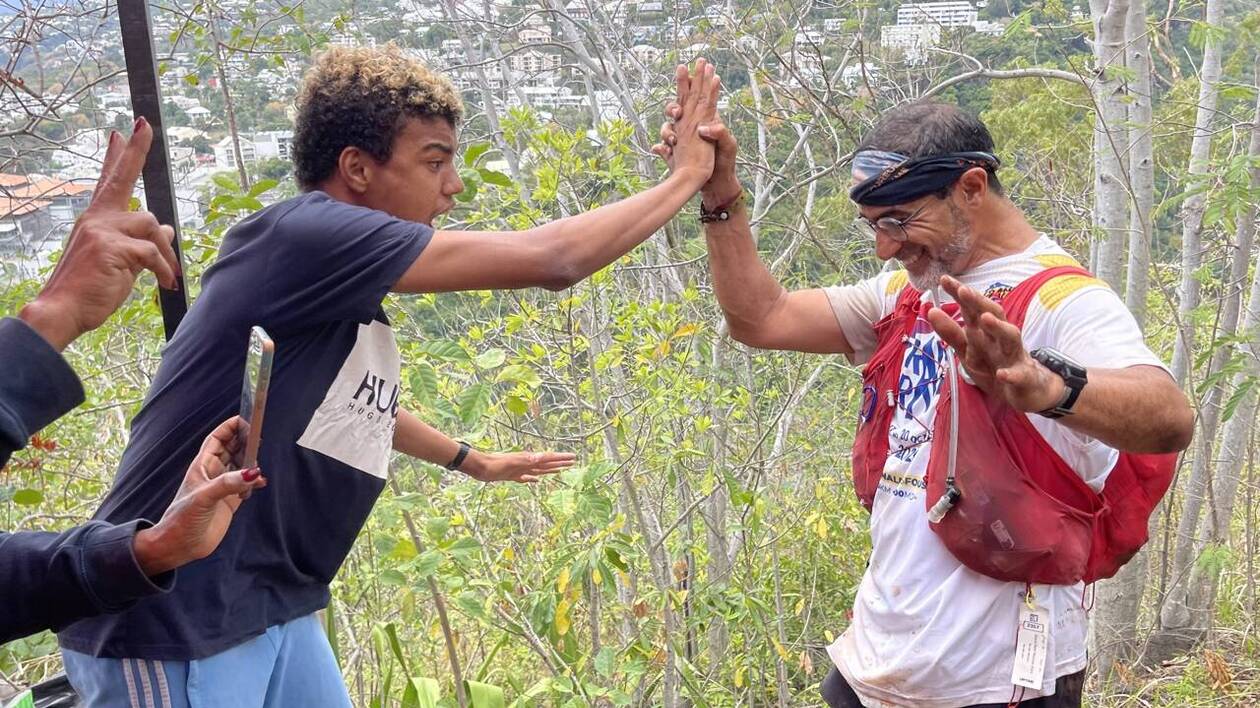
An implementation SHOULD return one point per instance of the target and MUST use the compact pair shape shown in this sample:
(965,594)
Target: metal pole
(146,100)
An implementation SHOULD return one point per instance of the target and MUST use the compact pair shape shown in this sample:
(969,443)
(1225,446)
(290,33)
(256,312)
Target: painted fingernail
(251,474)
(140,123)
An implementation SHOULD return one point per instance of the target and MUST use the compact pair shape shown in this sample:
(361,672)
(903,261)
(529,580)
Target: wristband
(454,464)
(722,212)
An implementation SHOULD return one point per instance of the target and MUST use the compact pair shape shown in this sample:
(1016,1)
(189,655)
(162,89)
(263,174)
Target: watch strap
(454,464)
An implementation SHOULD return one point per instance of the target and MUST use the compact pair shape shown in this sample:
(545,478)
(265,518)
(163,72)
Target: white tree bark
(1118,599)
(1174,614)
(1111,198)
(1141,161)
(1190,603)
(1192,209)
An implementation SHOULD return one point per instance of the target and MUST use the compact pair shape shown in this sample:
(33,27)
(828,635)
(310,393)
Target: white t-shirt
(927,631)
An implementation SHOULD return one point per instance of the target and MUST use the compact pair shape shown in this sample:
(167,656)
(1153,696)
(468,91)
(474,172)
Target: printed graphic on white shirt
(355,423)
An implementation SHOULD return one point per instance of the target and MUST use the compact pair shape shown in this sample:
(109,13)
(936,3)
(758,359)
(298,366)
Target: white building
(647,54)
(535,34)
(268,144)
(532,61)
(955,13)
(914,41)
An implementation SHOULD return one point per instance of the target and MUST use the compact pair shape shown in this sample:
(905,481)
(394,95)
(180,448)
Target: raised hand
(107,249)
(992,351)
(697,99)
(723,184)
(516,466)
(197,519)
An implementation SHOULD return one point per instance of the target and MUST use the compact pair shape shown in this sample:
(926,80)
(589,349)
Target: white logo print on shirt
(355,423)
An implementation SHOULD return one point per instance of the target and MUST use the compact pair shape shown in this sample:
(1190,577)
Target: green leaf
(519,373)
(516,405)
(436,527)
(444,349)
(494,177)
(423,382)
(483,695)
(606,662)
(490,358)
(443,407)
(28,497)
(615,558)
(391,632)
(330,629)
(427,564)
(475,151)
(473,402)
(421,693)
(471,603)
(465,548)
(1240,394)
(192,80)
(392,576)
(225,182)
(261,186)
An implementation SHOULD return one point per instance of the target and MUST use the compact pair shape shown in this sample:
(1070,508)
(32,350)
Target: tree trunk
(1111,198)
(1141,162)
(1119,598)
(1189,602)
(1192,209)
(1175,615)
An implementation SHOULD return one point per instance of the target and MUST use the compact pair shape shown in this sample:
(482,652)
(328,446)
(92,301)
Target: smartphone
(254,395)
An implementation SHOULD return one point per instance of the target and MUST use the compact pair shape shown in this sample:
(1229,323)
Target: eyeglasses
(891,227)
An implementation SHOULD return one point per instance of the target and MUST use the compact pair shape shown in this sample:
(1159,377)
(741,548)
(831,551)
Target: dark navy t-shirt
(312,271)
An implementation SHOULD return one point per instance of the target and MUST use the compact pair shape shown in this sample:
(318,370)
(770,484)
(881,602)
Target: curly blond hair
(360,96)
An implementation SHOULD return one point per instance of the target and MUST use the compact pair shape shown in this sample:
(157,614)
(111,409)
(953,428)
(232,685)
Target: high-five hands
(723,185)
(107,249)
(689,142)
(992,351)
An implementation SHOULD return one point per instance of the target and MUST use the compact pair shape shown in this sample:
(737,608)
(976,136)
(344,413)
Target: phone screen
(254,395)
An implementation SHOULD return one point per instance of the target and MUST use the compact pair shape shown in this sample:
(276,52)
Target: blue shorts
(290,664)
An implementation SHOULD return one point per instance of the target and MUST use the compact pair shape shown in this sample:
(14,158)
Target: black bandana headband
(887,178)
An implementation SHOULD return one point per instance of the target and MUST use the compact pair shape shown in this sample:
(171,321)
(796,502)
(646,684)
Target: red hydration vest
(1023,514)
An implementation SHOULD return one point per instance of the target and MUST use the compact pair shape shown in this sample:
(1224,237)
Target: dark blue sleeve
(328,261)
(38,386)
(51,580)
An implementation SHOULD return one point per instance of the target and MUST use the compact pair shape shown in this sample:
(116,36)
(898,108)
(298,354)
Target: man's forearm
(1136,409)
(586,242)
(745,288)
(416,438)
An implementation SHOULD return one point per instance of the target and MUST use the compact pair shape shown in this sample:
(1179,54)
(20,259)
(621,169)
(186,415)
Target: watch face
(1059,363)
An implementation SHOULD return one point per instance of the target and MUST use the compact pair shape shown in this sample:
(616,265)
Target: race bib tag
(1031,643)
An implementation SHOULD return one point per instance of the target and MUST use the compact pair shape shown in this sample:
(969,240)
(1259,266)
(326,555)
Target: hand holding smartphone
(254,395)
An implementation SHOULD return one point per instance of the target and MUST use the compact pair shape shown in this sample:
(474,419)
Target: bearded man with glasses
(928,630)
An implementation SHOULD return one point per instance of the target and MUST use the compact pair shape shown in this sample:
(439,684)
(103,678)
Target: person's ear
(973,187)
(355,169)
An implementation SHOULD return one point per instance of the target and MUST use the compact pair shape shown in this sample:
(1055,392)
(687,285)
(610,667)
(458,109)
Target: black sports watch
(1072,373)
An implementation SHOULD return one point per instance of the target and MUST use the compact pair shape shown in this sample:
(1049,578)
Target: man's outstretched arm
(418,439)
(563,252)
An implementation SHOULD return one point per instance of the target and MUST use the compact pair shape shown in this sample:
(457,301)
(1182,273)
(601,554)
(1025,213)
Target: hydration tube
(951,495)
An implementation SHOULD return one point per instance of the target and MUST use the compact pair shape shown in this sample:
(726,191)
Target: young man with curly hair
(374,151)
